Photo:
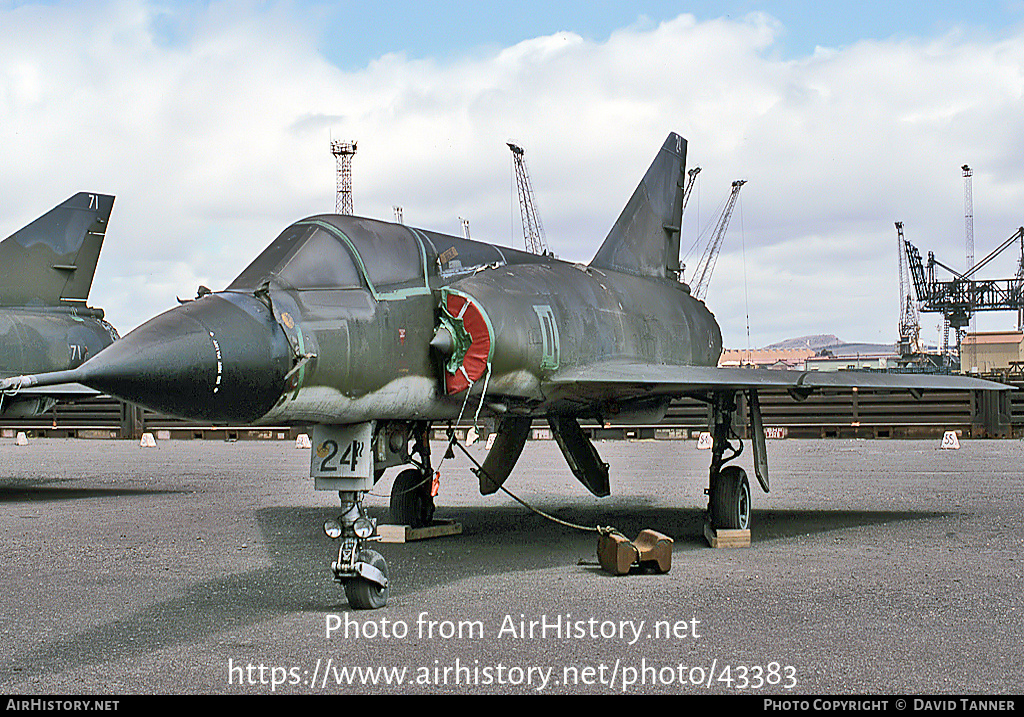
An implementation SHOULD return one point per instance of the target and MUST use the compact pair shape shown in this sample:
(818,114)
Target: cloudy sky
(211,122)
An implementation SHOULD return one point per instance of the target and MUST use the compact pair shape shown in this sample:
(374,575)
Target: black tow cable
(601,530)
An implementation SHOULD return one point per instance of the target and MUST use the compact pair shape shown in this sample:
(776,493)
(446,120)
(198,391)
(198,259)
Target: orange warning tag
(435,484)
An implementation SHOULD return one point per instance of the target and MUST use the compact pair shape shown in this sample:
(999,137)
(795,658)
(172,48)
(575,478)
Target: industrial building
(994,351)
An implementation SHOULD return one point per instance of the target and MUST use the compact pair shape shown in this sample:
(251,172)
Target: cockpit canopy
(333,252)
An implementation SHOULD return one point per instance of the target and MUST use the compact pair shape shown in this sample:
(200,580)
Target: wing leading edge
(659,379)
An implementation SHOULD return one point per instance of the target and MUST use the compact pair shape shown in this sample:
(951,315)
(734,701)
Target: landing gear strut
(350,459)
(728,488)
(343,460)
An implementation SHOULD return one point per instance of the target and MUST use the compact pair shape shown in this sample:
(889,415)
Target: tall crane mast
(533,232)
(910,325)
(707,262)
(968,216)
(969,251)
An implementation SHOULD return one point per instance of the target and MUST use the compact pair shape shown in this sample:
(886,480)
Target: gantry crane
(963,295)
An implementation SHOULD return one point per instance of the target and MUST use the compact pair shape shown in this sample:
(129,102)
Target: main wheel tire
(411,503)
(729,502)
(363,594)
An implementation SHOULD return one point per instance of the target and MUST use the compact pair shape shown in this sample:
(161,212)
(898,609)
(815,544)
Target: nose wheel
(364,593)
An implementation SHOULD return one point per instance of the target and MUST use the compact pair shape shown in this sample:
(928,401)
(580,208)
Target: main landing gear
(412,496)
(729,499)
(728,488)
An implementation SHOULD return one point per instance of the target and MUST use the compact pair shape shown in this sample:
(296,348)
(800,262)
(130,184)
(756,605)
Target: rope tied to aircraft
(617,554)
(603,530)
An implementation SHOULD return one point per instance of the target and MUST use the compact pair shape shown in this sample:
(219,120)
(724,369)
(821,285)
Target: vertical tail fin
(645,238)
(52,260)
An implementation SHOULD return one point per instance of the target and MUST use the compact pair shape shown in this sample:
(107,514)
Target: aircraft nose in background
(220,358)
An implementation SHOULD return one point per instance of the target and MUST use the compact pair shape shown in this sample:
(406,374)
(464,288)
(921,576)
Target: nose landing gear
(343,460)
(362,571)
(350,459)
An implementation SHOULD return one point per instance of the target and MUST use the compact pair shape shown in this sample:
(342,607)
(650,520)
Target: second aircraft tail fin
(52,260)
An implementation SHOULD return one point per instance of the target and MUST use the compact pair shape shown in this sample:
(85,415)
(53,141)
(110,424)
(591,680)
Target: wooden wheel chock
(650,552)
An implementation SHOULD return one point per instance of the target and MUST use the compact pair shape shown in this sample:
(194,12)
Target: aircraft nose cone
(220,358)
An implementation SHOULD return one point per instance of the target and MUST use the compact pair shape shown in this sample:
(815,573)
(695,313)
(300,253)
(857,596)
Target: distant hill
(817,342)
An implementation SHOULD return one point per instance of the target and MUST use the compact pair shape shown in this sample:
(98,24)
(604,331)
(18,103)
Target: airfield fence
(838,413)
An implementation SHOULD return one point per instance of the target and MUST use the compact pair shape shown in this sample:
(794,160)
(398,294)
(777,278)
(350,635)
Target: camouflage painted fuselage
(38,340)
(332,323)
(373,358)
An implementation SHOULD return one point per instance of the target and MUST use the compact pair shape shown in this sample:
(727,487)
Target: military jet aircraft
(375,331)
(45,324)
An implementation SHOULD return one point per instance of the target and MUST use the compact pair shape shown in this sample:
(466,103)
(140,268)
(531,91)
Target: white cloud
(215,136)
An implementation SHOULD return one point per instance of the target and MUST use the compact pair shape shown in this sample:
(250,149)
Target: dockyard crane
(964,294)
(707,262)
(910,324)
(533,232)
(691,178)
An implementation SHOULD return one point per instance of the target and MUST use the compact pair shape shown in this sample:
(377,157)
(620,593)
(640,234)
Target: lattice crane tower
(343,153)
(910,321)
(708,260)
(533,232)
(968,215)
(969,251)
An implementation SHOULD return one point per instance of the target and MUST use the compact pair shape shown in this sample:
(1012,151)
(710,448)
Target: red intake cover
(474,363)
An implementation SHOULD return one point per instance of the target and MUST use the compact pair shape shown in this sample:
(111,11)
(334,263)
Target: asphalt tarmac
(876,567)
